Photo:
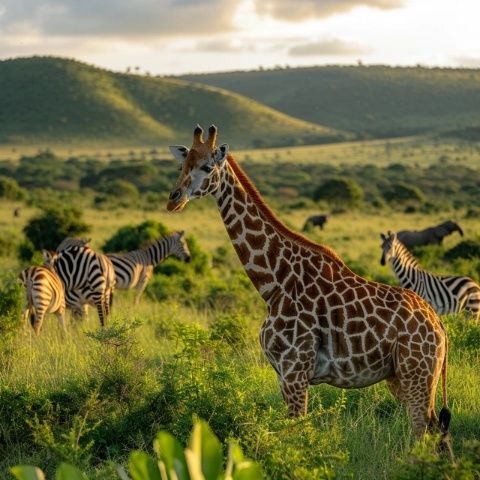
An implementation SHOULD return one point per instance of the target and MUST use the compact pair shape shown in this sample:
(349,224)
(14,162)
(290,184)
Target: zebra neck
(156,252)
(406,270)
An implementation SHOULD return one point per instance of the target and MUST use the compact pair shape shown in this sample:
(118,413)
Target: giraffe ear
(221,154)
(180,152)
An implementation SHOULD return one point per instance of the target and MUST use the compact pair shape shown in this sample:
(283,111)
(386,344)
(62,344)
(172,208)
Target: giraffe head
(180,247)
(201,166)
(389,244)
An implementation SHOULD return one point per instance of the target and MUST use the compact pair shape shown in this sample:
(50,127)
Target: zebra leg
(25,316)
(36,320)
(60,314)
(142,284)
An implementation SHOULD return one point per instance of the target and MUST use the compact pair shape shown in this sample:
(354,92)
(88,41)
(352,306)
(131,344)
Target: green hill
(376,101)
(51,101)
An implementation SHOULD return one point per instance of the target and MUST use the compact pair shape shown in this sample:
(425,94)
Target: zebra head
(180,247)
(388,247)
(201,168)
(49,258)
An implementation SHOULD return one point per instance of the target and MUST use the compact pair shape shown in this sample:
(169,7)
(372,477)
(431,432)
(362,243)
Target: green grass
(177,364)
(376,101)
(54,101)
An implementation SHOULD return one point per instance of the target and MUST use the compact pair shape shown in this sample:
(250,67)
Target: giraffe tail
(444,446)
(445,414)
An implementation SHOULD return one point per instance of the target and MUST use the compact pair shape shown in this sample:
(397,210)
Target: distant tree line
(440,185)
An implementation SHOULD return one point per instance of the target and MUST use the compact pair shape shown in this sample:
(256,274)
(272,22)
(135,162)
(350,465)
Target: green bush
(203,458)
(11,302)
(9,189)
(48,229)
(465,249)
(340,192)
(401,193)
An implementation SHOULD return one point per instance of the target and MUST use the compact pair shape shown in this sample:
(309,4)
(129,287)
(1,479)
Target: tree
(49,228)
(340,192)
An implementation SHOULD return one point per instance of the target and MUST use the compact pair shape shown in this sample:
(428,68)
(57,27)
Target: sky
(164,37)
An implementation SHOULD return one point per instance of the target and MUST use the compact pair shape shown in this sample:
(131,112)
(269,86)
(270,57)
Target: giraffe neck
(263,244)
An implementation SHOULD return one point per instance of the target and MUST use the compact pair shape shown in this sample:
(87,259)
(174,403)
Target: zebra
(445,293)
(44,293)
(134,269)
(87,276)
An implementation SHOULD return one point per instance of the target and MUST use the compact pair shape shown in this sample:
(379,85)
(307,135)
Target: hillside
(49,100)
(375,101)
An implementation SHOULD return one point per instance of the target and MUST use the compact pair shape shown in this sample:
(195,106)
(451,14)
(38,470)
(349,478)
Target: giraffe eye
(206,168)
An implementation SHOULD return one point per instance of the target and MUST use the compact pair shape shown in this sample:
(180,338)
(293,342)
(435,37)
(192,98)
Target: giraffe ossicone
(325,324)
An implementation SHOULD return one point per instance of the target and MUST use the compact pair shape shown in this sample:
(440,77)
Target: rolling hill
(48,100)
(373,101)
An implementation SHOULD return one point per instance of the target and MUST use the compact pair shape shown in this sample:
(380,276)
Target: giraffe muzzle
(177,200)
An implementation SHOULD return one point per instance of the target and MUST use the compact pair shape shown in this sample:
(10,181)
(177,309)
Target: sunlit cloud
(113,18)
(224,46)
(328,47)
(306,9)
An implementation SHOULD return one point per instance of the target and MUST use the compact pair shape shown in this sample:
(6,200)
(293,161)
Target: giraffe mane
(257,198)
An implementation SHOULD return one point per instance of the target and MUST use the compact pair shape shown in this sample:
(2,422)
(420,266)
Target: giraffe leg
(295,393)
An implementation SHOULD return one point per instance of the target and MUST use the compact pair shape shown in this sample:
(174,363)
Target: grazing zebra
(83,270)
(44,294)
(134,269)
(445,293)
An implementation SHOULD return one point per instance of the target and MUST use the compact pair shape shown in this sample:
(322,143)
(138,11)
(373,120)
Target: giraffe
(325,324)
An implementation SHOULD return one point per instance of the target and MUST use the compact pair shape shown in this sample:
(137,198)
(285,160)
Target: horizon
(178,37)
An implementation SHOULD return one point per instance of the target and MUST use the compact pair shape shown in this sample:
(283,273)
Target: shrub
(49,228)
(401,193)
(133,237)
(120,189)
(11,300)
(9,189)
(340,191)
(465,249)
(232,329)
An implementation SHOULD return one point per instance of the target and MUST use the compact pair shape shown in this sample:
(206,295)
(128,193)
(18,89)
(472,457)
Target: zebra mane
(406,254)
(70,242)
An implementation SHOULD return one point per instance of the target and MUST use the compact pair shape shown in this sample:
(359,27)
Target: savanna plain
(189,349)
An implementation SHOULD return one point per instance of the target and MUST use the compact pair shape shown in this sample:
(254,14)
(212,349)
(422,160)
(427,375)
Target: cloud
(328,47)
(223,46)
(118,18)
(467,61)
(302,9)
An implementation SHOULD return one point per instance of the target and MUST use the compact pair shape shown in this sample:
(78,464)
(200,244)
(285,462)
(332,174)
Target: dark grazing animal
(429,236)
(316,221)
(445,293)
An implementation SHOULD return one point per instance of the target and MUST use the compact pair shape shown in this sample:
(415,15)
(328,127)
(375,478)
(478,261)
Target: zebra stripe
(44,294)
(82,269)
(134,269)
(446,293)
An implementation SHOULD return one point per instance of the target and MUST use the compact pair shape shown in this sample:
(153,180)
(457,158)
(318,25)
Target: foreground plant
(201,460)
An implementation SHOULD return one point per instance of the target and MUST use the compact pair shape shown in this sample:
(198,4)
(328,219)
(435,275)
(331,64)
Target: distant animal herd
(325,324)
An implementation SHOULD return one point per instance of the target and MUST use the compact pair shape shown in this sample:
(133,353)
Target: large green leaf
(68,472)
(143,467)
(171,453)
(27,472)
(247,471)
(205,451)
